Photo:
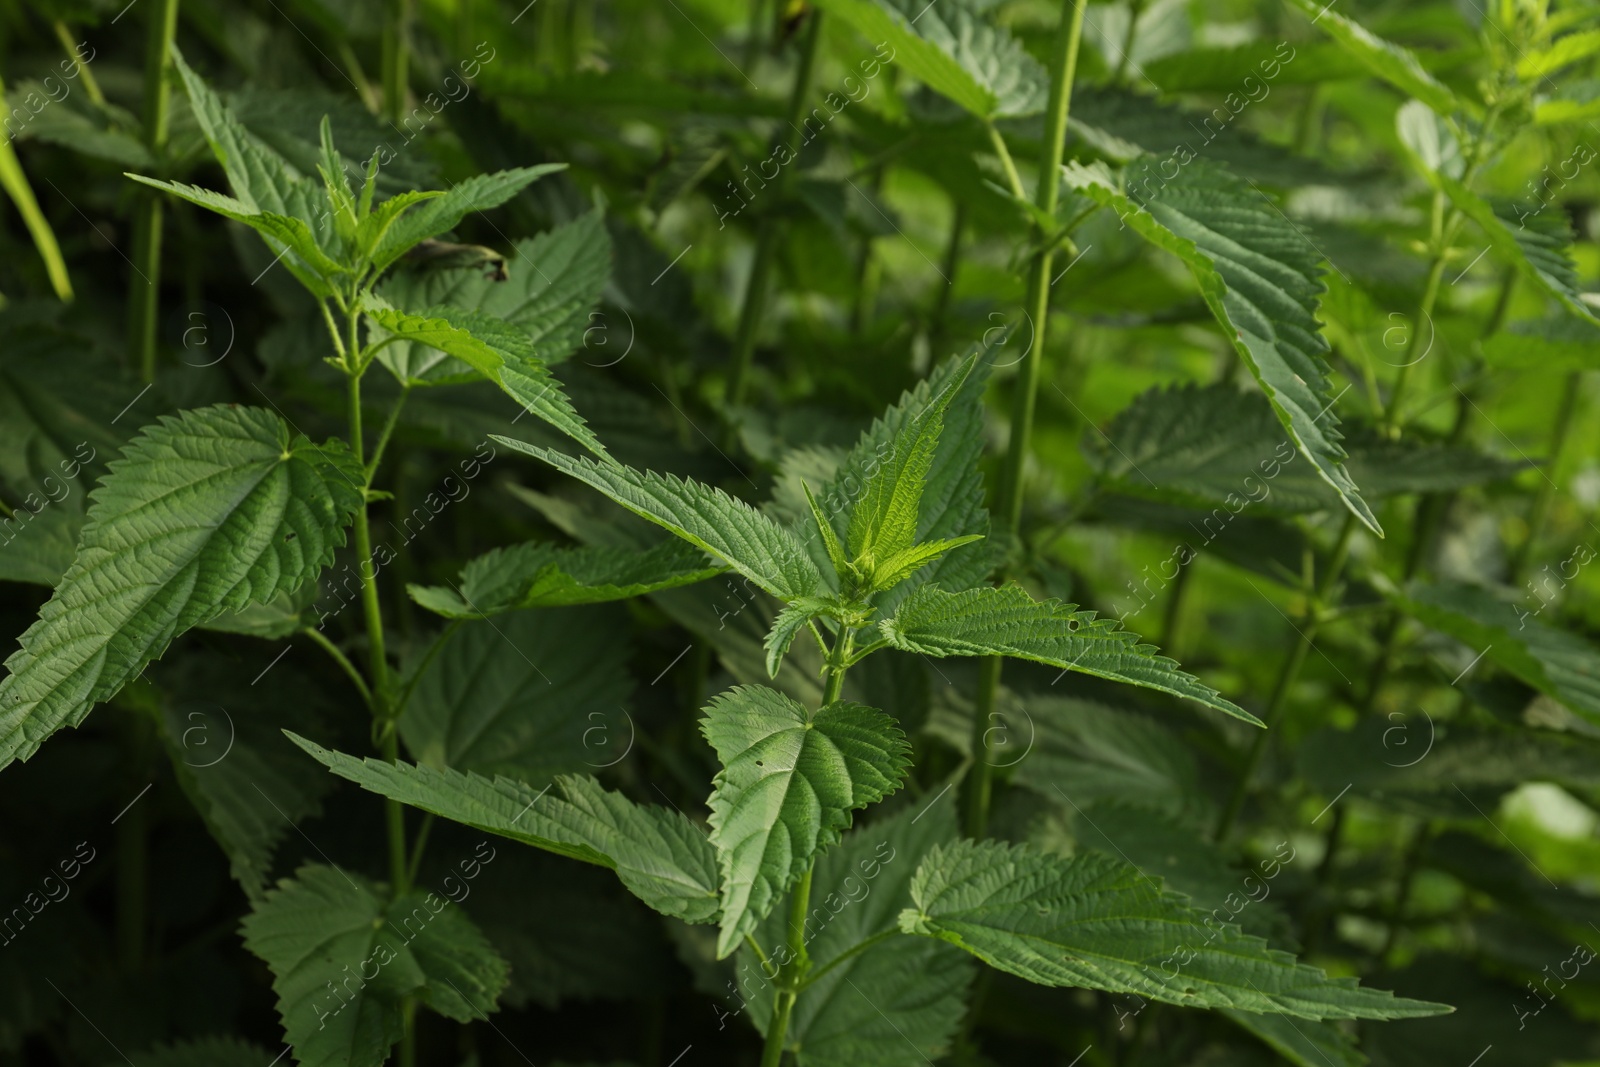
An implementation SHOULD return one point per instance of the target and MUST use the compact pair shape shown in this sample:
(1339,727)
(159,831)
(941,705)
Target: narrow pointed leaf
(788,784)
(537,574)
(478,193)
(790,621)
(888,573)
(1096,923)
(664,859)
(731,530)
(1007,622)
(1259,276)
(205,512)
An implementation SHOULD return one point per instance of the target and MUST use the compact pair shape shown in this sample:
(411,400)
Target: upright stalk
(396,57)
(1288,674)
(144,287)
(755,293)
(1063,67)
(793,972)
(1539,511)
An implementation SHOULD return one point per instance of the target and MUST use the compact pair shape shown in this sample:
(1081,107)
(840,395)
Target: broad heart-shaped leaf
(1451,770)
(531,695)
(788,784)
(538,574)
(1006,621)
(664,859)
(205,512)
(1215,446)
(1510,635)
(731,530)
(1096,923)
(896,1004)
(1259,276)
(492,349)
(433,217)
(552,284)
(952,501)
(951,49)
(344,957)
(1396,65)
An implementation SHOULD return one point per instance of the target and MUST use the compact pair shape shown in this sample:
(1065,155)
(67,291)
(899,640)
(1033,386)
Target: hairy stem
(1063,67)
(755,293)
(144,287)
(1288,674)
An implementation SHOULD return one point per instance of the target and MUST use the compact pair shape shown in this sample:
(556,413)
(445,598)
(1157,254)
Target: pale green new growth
(327,929)
(1007,622)
(1096,923)
(1259,276)
(538,574)
(788,784)
(206,512)
(663,858)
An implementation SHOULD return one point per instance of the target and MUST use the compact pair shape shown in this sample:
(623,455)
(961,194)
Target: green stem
(388,431)
(144,287)
(1007,164)
(90,86)
(1063,68)
(755,293)
(1390,421)
(1288,674)
(396,57)
(1539,511)
(854,950)
(948,268)
(1172,621)
(343,661)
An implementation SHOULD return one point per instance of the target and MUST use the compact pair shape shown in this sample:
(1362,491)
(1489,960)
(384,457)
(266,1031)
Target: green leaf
(896,1004)
(1217,447)
(551,286)
(790,621)
(323,931)
(884,521)
(1509,635)
(251,787)
(1007,622)
(1396,65)
(1563,52)
(205,512)
(664,859)
(951,49)
(538,574)
(1259,276)
(493,349)
(729,529)
(1560,343)
(439,214)
(1094,923)
(1442,769)
(890,572)
(788,784)
(830,539)
(531,695)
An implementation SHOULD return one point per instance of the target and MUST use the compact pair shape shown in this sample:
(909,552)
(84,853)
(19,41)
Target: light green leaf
(493,349)
(551,286)
(1510,635)
(531,695)
(324,930)
(830,539)
(1259,276)
(1217,447)
(664,859)
(951,49)
(205,512)
(1007,622)
(538,574)
(439,214)
(1563,52)
(1396,65)
(790,621)
(1095,923)
(890,572)
(788,784)
(731,530)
